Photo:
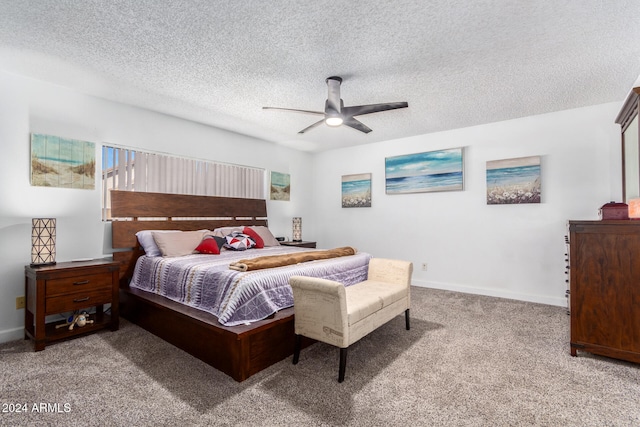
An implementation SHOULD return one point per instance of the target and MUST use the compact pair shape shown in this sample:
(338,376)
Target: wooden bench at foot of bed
(238,351)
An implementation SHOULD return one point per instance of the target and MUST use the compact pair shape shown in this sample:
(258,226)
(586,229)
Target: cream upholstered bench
(328,311)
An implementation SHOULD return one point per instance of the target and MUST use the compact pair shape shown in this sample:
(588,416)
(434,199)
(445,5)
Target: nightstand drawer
(77,300)
(79,284)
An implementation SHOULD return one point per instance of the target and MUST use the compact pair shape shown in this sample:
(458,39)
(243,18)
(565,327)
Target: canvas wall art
(61,162)
(513,181)
(440,170)
(280,186)
(356,191)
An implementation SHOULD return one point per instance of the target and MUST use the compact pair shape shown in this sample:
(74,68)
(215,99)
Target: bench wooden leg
(296,348)
(406,318)
(343,364)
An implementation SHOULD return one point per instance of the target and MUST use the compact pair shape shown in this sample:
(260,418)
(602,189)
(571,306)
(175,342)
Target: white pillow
(178,244)
(266,235)
(145,237)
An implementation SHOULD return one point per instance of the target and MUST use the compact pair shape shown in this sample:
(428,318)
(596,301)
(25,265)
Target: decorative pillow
(254,236)
(266,235)
(239,242)
(145,238)
(225,231)
(178,244)
(221,241)
(208,245)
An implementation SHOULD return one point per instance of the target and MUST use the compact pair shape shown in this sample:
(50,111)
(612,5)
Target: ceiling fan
(336,114)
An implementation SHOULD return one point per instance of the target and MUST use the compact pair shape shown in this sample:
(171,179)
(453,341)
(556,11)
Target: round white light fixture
(333,121)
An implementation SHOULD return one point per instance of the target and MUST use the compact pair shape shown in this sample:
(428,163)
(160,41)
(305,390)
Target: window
(134,170)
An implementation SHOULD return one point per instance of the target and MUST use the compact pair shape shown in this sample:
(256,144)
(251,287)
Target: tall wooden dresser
(604,288)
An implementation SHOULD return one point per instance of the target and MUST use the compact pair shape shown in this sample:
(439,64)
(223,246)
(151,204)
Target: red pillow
(254,236)
(208,245)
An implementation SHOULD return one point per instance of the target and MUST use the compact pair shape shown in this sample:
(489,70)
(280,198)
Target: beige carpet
(467,361)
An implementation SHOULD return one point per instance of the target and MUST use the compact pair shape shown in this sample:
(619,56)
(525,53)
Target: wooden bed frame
(238,351)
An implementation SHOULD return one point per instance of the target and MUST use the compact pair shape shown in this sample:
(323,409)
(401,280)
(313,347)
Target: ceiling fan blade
(294,110)
(356,124)
(308,128)
(359,110)
(333,99)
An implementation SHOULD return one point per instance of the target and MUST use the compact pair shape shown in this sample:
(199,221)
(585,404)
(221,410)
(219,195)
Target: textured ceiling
(457,64)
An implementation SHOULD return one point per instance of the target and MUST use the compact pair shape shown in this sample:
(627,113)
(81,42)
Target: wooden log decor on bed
(238,351)
(273,261)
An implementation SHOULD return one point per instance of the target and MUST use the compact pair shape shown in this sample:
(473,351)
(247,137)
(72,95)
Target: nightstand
(302,244)
(66,287)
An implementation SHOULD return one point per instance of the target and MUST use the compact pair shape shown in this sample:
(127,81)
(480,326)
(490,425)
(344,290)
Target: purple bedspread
(205,282)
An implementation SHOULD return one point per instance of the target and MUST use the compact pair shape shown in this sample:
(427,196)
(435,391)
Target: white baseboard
(492,292)
(11,335)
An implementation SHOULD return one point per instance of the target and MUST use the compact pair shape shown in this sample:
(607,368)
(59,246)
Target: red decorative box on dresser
(613,210)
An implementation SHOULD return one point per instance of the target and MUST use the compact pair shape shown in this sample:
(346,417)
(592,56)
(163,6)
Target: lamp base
(294,240)
(43,264)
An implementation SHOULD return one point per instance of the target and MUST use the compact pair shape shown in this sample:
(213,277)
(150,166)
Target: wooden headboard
(133,211)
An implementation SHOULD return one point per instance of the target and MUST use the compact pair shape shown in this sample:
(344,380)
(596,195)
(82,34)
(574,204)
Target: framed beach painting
(513,181)
(431,171)
(62,162)
(280,186)
(356,191)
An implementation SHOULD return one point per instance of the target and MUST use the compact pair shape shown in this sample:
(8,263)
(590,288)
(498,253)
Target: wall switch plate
(20,303)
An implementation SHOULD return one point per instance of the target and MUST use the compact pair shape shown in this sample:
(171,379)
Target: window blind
(135,170)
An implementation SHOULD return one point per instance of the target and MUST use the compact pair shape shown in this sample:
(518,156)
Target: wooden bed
(238,351)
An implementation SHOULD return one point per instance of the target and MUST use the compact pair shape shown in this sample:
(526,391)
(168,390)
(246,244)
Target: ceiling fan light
(333,121)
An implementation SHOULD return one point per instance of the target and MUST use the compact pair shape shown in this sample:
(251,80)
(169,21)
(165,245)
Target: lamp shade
(43,241)
(297,229)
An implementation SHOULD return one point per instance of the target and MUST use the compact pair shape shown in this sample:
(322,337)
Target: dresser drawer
(79,283)
(78,300)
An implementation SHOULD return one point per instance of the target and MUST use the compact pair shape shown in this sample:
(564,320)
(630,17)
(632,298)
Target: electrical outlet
(20,303)
(424,266)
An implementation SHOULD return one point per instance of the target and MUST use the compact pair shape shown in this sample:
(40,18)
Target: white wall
(513,251)
(28,105)
(508,251)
